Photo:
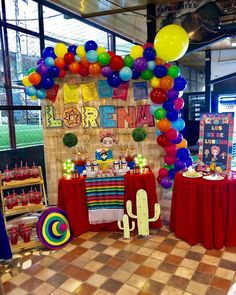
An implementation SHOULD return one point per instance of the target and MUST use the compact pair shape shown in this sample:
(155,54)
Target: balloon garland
(148,62)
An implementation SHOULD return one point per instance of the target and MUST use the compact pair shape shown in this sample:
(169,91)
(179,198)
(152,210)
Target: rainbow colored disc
(53,228)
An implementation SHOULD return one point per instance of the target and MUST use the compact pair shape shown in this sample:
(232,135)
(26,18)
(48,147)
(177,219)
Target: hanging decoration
(148,62)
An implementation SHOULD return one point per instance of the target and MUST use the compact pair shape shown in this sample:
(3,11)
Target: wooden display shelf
(24,209)
(23,246)
(21,183)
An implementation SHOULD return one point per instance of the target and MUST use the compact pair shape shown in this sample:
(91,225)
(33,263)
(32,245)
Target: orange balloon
(60,63)
(167,83)
(182,144)
(159,61)
(164,125)
(74,67)
(84,62)
(34,78)
(95,69)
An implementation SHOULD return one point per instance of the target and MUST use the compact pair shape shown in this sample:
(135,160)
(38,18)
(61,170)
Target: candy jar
(14,198)
(26,171)
(24,199)
(9,202)
(22,172)
(37,197)
(16,173)
(26,234)
(7,174)
(31,196)
(34,171)
(13,236)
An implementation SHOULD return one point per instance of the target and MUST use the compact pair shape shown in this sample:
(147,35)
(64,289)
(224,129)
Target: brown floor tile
(44,289)
(103,258)
(46,261)
(58,265)
(178,282)
(115,235)
(119,245)
(83,274)
(153,287)
(137,258)
(227,264)
(115,262)
(202,278)
(85,289)
(70,270)
(171,242)
(213,252)
(214,291)
(106,271)
(77,241)
(151,245)
(167,267)
(173,259)
(78,251)
(162,233)
(34,269)
(97,239)
(31,284)
(139,242)
(230,249)
(136,281)
(220,283)
(165,248)
(206,268)
(8,287)
(57,279)
(194,255)
(145,271)
(123,254)
(68,257)
(99,247)
(111,285)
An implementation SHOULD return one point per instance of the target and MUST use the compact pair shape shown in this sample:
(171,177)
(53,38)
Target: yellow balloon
(33,97)
(80,51)
(155,82)
(60,49)
(182,144)
(181,93)
(25,81)
(136,51)
(171,42)
(100,50)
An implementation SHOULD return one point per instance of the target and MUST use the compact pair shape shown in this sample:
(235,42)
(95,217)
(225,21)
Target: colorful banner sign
(71,94)
(104,89)
(121,92)
(216,137)
(140,90)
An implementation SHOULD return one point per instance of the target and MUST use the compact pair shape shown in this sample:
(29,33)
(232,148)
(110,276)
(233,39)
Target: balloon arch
(148,62)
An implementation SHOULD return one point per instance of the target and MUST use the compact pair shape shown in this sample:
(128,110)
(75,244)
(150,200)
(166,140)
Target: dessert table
(72,199)
(204,211)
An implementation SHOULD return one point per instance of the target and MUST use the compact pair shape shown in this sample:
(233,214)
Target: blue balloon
(172,115)
(125,74)
(180,83)
(48,51)
(179,124)
(189,162)
(178,138)
(151,65)
(72,49)
(149,53)
(90,45)
(30,90)
(114,80)
(92,56)
(154,107)
(49,61)
(54,71)
(171,173)
(160,71)
(183,154)
(47,82)
(158,132)
(136,75)
(173,94)
(41,93)
(168,105)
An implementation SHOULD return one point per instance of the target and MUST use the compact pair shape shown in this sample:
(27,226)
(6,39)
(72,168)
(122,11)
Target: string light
(140,160)
(68,166)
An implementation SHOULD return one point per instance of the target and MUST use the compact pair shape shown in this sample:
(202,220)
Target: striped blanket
(105,199)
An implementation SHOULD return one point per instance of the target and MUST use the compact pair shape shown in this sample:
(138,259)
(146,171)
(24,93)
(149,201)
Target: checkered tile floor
(104,263)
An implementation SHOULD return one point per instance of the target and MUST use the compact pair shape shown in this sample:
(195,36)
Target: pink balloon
(171,150)
(179,103)
(171,134)
(163,172)
(169,160)
(167,65)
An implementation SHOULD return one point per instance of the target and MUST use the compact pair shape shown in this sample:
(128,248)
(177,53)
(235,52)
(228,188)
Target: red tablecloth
(204,211)
(72,199)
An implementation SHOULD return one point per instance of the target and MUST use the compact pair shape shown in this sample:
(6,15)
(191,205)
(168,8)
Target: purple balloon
(135,75)
(107,71)
(40,61)
(166,182)
(189,162)
(179,165)
(42,69)
(173,94)
(178,138)
(140,64)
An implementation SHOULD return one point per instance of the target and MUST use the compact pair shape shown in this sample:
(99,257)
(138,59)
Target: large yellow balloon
(80,51)
(100,50)
(26,82)
(60,49)
(171,42)
(136,51)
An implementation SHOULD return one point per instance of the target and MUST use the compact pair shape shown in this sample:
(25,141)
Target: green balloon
(128,61)
(168,167)
(146,75)
(104,58)
(174,71)
(160,113)
(31,70)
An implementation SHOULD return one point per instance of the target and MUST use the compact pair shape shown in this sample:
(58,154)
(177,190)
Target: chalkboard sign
(215,142)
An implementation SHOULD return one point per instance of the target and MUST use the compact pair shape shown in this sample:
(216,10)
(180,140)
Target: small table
(204,211)
(72,199)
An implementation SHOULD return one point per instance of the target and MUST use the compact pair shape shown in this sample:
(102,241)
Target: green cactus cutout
(142,212)
(126,227)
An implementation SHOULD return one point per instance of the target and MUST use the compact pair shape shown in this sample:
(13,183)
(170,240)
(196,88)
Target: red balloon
(169,160)
(147,44)
(83,71)
(179,103)
(62,73)
(167,65)
(74,67)
(159,179)
(171,150)
(158,95)
(162,140)
(111,53)
(84,62)
(163,172)
(60,63)
(116,63)
(171,134)
(69,58)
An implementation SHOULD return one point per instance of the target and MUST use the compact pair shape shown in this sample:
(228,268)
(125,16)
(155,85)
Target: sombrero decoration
(53,228)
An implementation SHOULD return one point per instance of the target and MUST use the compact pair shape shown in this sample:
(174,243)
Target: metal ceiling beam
(113,11)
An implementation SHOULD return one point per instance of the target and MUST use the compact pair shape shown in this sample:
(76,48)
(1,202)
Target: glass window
(3,99)
(70,30)
(20,98)
(4,131)
(24,51)
(123,47)
(22,13)
(29,129)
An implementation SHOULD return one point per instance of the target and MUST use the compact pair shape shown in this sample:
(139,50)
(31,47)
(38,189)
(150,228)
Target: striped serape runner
(105,199)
